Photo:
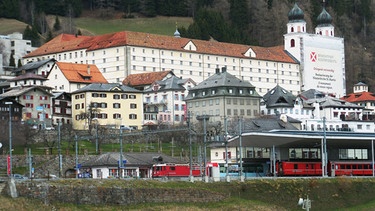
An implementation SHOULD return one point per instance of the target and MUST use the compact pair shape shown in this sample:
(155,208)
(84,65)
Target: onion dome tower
(324,24)
(297,23)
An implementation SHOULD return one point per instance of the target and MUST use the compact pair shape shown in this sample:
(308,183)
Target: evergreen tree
(239,14)
(57,25)
(150,8)
(12,61)
(19,63)
(9,9)
(49,36)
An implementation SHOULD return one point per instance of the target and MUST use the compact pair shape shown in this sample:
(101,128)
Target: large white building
(321,55)
(120,54)
(306,61)
(16,45)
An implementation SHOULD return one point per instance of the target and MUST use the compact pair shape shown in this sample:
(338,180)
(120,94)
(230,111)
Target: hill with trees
(261,22)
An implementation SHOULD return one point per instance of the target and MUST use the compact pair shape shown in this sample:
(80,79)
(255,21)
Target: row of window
(105,116)
(229,101)
(103,105)
(230,112)
(104,95)
(234,60)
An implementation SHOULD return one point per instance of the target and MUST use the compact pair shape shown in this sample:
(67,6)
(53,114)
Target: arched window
(292,29)
(292,43)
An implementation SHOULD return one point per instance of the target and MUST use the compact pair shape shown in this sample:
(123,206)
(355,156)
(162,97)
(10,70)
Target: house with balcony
(362,97)
(164,101)
(111,104)
(62,108)
(30,91)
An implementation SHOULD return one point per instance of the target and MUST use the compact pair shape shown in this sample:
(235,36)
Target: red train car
(299,168)
(350,168)
(174,170)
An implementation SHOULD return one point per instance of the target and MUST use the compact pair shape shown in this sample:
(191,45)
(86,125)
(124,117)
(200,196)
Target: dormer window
(155,88)
(230,91)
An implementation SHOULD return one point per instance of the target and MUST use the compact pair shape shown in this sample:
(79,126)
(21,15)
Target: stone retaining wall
(121,196)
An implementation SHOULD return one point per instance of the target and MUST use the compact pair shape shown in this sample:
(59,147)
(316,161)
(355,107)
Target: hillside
(265,28)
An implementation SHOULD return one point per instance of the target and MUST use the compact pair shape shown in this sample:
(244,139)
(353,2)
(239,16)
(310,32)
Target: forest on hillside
(253,22)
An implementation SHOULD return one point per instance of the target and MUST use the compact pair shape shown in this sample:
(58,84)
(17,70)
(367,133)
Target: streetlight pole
(204,118)
(190,150)
(226,150)
(60,157)
(10,137)
(76,140)
(240,134)
(120,162)
(325,148)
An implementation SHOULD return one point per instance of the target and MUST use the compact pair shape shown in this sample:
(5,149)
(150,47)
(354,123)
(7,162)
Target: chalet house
(37,102)
(30,91)
(16,109)
(62,108)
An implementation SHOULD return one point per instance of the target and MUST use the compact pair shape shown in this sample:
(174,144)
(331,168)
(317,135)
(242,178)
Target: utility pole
(120,161)
(190,150)
(240,134)
(76,146)
(10,138)
(59,149)
(226,150)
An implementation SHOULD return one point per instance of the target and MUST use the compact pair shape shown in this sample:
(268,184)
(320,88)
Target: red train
(174,170)
(334,168)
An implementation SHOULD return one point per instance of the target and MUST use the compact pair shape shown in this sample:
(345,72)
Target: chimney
(217,70)
(223,69)
(88,69)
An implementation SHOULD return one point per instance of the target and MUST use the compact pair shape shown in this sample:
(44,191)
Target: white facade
(60,83)
(321,56)
(169,105)
(116,63)
(14,43)
(104,172)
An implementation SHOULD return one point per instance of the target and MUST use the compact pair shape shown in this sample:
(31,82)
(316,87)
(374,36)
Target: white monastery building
(293,66)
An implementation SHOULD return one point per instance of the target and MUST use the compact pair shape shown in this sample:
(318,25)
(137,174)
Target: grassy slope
(93,26)
(158,25)
(8,26)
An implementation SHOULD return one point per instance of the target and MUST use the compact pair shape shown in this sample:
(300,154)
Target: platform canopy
(300,139)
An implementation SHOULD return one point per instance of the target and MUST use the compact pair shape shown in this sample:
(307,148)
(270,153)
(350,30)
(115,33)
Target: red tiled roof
(61,43)
(144,78)
(80,73)
(359,97)
(65,42)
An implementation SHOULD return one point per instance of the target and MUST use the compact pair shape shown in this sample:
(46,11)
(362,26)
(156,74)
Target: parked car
(19,177)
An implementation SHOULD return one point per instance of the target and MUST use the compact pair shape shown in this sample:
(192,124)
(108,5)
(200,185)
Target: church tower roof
(296,14)
(324,18)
